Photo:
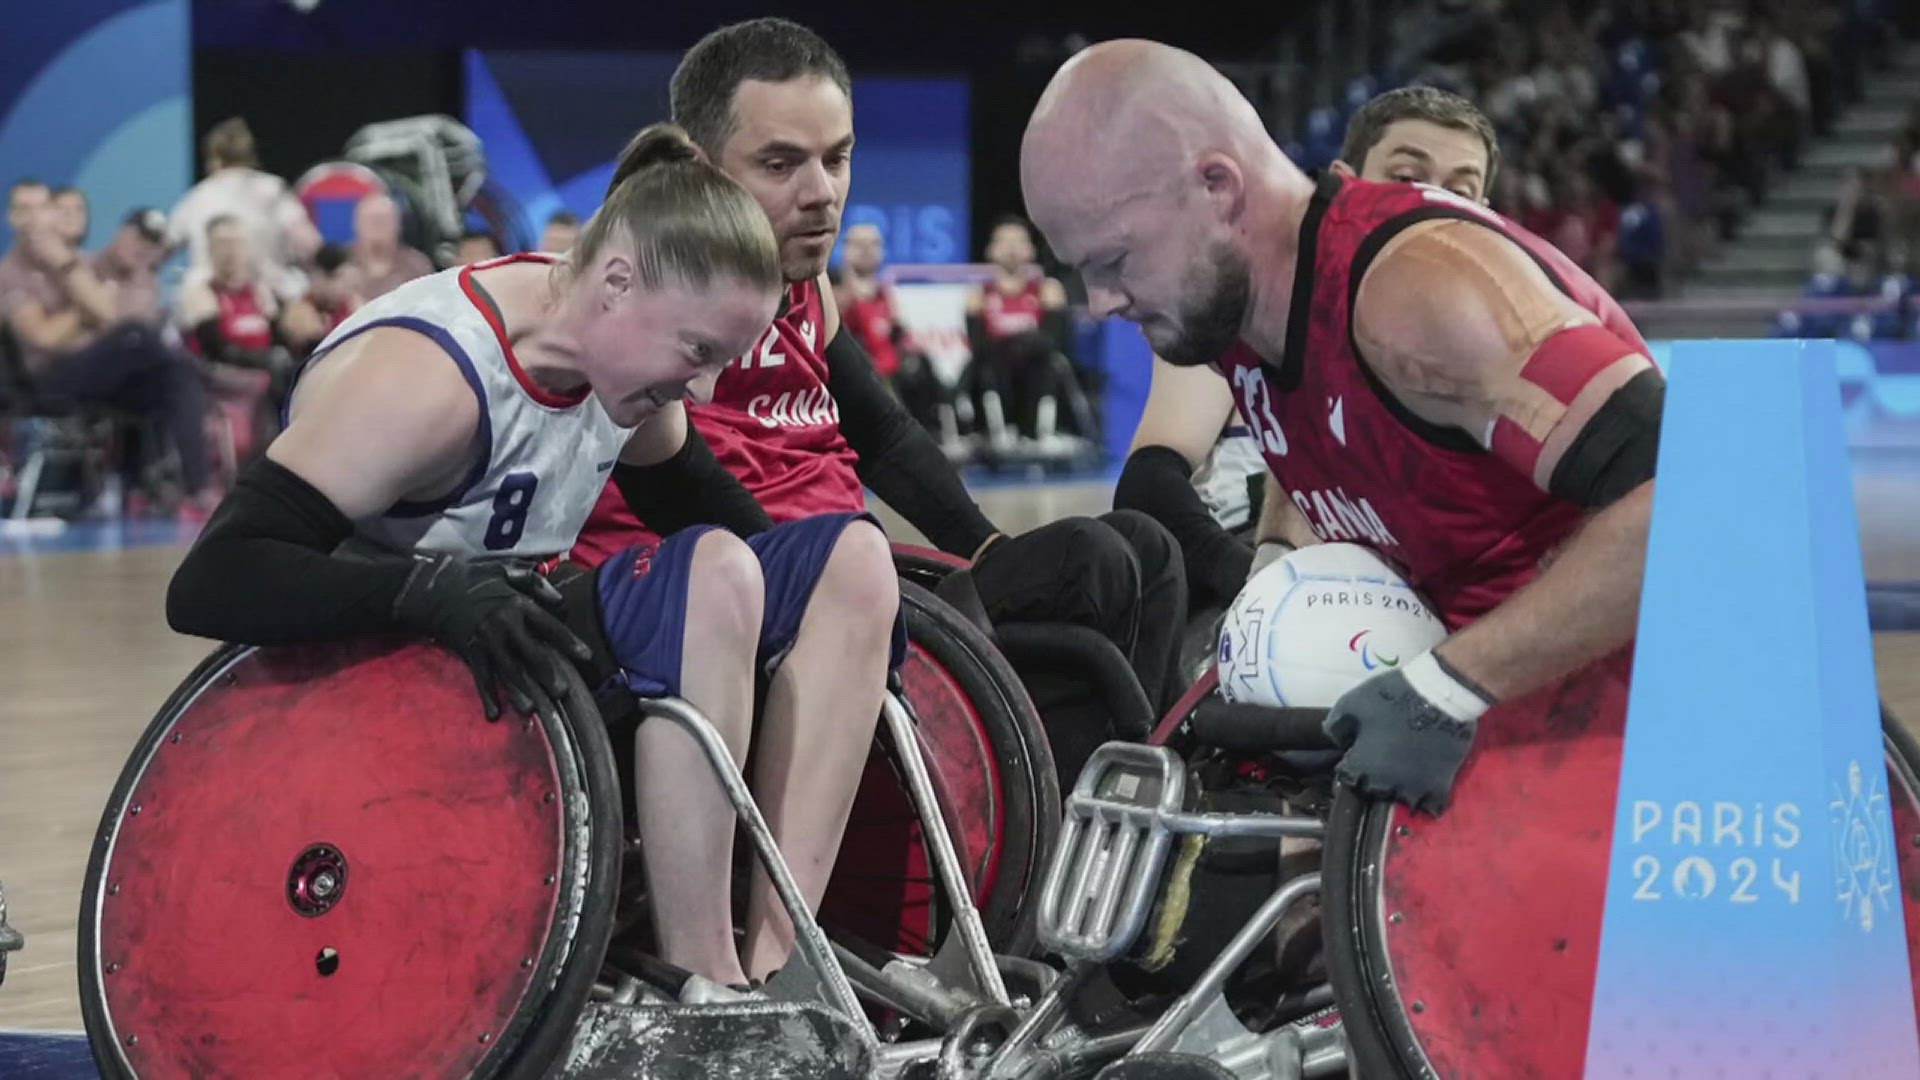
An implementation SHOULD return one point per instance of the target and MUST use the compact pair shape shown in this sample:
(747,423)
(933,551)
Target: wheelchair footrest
(1101,883)
(693,1042)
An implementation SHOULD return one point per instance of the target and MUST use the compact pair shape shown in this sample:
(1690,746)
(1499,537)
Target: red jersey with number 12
(771,423)
(1466,528)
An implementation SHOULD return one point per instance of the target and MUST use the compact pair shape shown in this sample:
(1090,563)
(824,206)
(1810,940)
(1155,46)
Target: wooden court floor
(86,658)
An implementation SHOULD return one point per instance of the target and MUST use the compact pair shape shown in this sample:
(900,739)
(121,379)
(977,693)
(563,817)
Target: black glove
(491,615)
(1406,732)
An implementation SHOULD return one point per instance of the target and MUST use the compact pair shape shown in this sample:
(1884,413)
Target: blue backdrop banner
(95,94)
(910,166)
(1754,916)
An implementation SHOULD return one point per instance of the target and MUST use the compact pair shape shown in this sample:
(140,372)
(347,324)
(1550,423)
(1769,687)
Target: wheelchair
(380,885)
(316,859)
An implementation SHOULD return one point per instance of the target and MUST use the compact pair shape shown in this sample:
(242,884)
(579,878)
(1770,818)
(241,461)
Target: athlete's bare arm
(385,417)
(1280,519)
(1456,320)
(1187,408)
(1053,295)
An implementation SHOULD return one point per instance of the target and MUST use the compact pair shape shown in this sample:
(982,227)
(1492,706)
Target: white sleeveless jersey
(1221,480)
(543,459)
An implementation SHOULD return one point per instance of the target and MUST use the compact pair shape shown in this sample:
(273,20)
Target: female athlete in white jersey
(457,430)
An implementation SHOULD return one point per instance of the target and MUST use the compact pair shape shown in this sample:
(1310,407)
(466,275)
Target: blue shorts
(643,598)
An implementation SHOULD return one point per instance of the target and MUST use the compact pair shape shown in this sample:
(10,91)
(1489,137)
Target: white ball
(1312,625)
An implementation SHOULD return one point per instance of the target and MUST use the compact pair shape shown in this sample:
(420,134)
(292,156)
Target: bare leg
(817,729)
(686,822)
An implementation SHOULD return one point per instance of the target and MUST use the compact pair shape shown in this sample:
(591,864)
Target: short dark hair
(229,142)
(1011,219)
(1428,103)
(768,50)
(563,217)
(330,258)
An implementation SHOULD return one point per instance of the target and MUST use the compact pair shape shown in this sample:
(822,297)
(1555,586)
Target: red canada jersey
(1006,314)
(870,319)
(1466,528)
(242,322)
(771,423)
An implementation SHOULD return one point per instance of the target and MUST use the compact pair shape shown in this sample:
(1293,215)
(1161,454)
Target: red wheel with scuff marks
(1465,946)
(987,756)
(323,862)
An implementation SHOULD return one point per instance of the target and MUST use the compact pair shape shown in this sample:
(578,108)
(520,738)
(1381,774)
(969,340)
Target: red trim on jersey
(1512,444)
(544,396)
(1567,361)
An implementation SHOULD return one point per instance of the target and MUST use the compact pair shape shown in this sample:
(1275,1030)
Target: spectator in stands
(279,232)
(70,214)
(130,262)
(1017,329)
(231,319)
(25,198)
(1786,67)
(327,303)
(476,245)
(1856,229)
(563,228)
(378,262)
(1565,69)
(1900,197)
(1709,35)
(83,339)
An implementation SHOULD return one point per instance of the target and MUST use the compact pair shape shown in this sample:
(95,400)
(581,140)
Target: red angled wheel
(324,862)
(1466,945)
(987,756)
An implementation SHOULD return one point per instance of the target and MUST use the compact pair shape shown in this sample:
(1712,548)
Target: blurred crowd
(1639,134)
(1636,135)
(1865,283)
(148,389)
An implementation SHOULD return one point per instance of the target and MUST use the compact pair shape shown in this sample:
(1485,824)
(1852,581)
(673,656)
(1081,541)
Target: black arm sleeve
(215,346)
(979,345)
(690,488)
(263,572)
(213,343)
(898,459)
(1058,330)
(1616,451)
(1157,482)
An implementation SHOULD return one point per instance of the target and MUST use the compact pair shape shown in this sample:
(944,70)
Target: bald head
(1149,171)
(1127,118)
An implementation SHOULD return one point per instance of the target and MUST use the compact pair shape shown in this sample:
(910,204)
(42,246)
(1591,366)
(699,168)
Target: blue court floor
(45,1055)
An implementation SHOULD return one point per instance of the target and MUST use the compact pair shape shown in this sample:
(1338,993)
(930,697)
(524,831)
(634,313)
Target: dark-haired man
(804,423)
